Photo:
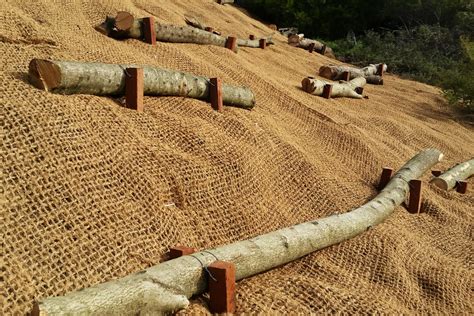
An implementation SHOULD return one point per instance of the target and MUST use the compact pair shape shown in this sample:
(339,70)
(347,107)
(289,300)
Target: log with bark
(194,22)
(299,41)
(133,28)
(350,89)
(225,1)
(69,77)
(370,73)
(287,31)
(255,43)
(460,172)
(167,287)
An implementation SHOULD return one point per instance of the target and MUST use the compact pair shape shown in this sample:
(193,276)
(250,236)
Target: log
(69,77)
(339,89)
(287,31)
(169,33)
(298,40)
(255,43)
(334,72)
(166,287)
(194,22)
(225,1)
(449,179)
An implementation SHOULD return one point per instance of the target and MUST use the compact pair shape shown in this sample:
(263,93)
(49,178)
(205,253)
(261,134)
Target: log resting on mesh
(167,287)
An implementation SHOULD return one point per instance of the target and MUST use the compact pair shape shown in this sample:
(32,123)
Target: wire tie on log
(207,251)
(205,268)
(125,70)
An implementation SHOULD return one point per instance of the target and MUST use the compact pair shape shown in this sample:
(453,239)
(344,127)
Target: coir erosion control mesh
(92,191)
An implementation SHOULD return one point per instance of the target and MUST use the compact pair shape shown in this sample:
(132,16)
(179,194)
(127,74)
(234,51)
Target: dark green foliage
(332,19)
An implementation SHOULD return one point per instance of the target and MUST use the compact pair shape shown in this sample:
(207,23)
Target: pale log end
(440,183)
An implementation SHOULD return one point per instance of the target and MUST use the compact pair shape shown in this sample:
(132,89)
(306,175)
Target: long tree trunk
(339,89)
(168,33)
(255,43)
(168,286)
(67,77)
(369,73)
(449,179)
(305,43)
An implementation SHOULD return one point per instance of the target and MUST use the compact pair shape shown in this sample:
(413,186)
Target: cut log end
(293,40)
(307,85)
(124,21)
(327,72)
(440,183)
(44,74)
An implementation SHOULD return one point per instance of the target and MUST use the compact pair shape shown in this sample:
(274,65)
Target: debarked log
(350,89)
(460,172)
(69,77)
(309,44)
(370,73)
(133,28)
(168,286)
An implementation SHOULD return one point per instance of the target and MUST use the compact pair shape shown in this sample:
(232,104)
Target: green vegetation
(425,40)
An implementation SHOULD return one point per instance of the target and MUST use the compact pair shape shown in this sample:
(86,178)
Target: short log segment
(170,33)
(341,89)
(333,72)
(68,77)
(168,286)
(310,45)
(460,172)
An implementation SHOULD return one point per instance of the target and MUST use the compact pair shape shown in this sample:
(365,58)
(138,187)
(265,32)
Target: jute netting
(92,191)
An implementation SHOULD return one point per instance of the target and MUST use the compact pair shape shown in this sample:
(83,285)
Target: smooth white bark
(339,89)
(298,40)
(334,72)
(68,77)
(166,287)
(172,33)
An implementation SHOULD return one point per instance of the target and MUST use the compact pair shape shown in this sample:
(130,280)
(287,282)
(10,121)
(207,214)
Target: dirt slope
(92,191)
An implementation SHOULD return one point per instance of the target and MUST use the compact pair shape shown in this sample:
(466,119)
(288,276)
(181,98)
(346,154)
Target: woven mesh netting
(92,191)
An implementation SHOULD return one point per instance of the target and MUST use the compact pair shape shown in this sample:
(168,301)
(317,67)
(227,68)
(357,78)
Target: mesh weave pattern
(92,191)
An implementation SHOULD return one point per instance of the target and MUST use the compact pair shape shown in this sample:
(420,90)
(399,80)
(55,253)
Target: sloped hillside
(92,191)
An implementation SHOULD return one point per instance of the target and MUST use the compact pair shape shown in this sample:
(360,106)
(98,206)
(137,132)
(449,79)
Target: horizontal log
(68,77)
(334,72)
(460,172)
(298,40)
(169,33)
(339,89)
(166,287)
